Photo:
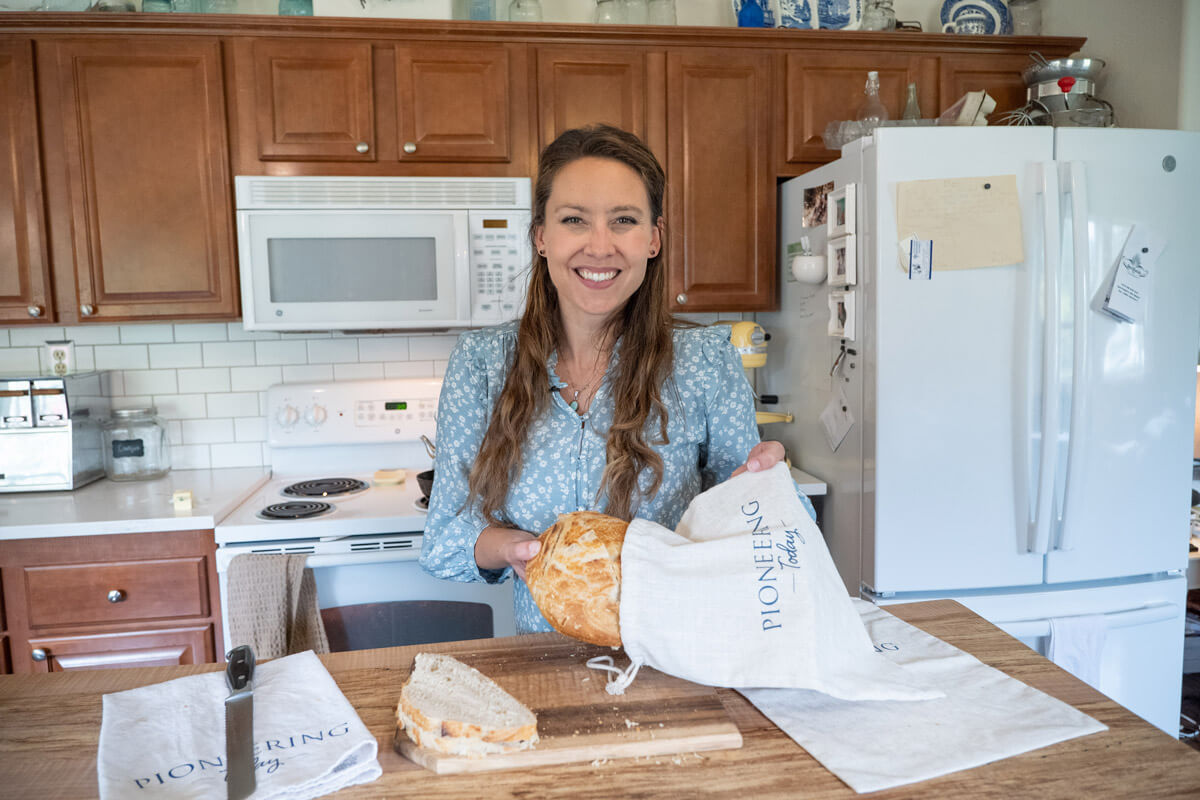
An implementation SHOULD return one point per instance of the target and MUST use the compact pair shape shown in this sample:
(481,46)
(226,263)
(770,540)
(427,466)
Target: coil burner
(326,487)
(295,509)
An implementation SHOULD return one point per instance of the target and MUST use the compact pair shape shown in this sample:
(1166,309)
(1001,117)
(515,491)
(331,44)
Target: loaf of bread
(451,708)
(575,578)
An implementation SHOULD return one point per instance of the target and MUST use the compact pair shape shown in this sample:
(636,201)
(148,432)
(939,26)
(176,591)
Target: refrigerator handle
(1075,175)
(1042,498)
(1128,618)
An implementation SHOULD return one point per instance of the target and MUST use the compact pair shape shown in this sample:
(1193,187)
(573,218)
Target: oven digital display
(495,223)
(396,406)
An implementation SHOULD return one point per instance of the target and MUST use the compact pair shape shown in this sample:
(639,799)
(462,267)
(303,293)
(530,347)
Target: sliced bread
(452,708)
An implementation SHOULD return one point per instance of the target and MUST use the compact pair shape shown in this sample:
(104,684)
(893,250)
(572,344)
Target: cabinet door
(827,87)
(452,102)
(583,85)
(313,100)
(147,195)
(155,648)
(24,270)
(999,74)
(721,189)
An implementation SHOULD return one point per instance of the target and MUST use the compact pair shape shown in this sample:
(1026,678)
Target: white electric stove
(337,450)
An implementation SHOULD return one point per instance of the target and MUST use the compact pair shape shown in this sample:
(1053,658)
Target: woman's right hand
(497,548)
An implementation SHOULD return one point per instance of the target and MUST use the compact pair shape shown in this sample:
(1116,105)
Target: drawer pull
(116,595)
(38,654)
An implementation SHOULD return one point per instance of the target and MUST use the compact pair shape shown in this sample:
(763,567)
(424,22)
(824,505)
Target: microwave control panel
(499,265)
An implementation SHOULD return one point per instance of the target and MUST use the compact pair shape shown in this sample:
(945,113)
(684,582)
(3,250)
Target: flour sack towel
(167,740)
(744,594)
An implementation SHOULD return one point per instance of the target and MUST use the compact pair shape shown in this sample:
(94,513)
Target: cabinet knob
(362,147)
(681,298)
(38,654)
(34,311)
(410,147)
(87,309)
(116,595)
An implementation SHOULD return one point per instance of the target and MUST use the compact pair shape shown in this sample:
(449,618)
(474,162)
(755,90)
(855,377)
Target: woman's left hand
(764,455)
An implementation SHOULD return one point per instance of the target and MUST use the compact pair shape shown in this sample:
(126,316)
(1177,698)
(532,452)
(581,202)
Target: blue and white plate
(990,8)
(827,14)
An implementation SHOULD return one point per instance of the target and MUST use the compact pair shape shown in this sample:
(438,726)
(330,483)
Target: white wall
(1189,70)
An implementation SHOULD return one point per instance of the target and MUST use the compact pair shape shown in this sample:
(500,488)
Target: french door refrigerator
(1001,438)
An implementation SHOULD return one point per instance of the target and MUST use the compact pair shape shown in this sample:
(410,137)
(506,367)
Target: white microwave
(346,253)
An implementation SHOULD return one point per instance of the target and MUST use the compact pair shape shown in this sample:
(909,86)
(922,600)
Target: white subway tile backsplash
(174,431)
(20,359)
(431,347)
(207,431)
(308,373)
(439,369)
(385,348)
(238,333)
(408,369)
(250,429)
(209,379)
(254,379)
(233,404)
(146,333)
(190,456)
(181,406)
(171,356)
(35,336)
(134,401)
(201,332)
(151,381)
(121,356)
(93,334)
(85,359)
(357,372)
(228,354)
(242,454)
(3,337)
(289,352)
(332,351)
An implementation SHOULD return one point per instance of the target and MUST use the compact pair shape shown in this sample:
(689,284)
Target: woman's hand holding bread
(497,548)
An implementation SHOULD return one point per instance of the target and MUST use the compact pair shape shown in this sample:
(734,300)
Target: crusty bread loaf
(452,708)
(575,578)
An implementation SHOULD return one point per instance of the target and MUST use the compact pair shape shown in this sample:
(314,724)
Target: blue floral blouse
(710,426)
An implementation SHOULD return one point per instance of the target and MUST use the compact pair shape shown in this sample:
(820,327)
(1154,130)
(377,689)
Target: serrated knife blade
(239,723)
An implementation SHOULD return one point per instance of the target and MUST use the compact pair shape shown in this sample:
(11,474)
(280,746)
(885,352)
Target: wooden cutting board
(578,720)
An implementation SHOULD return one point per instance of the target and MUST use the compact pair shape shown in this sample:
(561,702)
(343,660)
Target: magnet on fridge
(840,261)
(841,315)
(840,218)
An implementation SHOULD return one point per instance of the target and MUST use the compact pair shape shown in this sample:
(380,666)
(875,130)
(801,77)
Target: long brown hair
(646,351)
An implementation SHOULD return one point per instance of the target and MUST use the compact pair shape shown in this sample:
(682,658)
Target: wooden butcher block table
(50,725)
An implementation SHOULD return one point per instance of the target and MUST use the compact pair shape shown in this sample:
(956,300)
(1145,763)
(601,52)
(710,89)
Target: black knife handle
(241,667)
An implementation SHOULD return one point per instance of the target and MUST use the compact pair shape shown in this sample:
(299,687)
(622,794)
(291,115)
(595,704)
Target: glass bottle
(1026,17)
(135,445)
(871,112)
(609,12)
(525,11)
(912,109)
(661,12)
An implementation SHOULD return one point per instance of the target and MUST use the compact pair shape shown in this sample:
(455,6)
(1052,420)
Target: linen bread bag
(743,593)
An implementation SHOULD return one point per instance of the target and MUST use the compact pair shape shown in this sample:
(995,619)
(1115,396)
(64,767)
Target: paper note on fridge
(1125,297)
(972,222)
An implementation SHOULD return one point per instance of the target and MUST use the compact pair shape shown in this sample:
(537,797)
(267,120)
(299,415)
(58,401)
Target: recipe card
(970,222)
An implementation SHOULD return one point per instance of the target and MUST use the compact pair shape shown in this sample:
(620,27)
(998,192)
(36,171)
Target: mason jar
(135,445)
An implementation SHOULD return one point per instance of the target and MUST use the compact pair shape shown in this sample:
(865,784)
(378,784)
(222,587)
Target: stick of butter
(182,500)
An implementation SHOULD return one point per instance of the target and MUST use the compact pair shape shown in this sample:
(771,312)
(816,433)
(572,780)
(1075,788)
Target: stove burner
(325,487)
(295,509)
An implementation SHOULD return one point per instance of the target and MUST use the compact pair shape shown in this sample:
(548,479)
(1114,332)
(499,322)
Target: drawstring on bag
(624,676)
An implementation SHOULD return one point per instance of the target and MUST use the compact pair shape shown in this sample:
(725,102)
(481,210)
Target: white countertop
(129,506)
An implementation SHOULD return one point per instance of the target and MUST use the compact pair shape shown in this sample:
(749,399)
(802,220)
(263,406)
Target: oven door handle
(357,558)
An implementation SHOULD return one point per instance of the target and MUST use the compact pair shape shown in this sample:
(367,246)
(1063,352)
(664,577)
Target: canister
(135,445)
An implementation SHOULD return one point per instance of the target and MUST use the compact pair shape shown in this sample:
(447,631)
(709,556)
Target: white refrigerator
(1001,438)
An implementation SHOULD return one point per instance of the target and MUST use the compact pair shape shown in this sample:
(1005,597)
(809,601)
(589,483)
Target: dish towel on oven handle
(167,740)
(744,593)
(271,604)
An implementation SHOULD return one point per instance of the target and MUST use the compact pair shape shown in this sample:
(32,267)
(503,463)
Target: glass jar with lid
(135,445)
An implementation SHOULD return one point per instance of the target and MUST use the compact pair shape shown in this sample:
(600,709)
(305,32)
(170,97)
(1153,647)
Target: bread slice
(575,578)
(451,708)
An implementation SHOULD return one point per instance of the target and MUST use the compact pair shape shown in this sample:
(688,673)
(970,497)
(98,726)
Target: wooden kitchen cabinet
(720,186)
(999,74)
(24,268)
(90,602)
(138,184)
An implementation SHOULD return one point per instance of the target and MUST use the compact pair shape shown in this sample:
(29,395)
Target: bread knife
(239,723)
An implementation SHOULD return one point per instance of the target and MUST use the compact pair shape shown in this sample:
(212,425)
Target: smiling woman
(597,399)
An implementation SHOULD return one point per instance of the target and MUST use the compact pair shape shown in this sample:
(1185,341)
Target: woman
(597,398)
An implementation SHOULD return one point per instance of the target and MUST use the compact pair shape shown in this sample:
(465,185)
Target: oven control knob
(315,415)
(287,416)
